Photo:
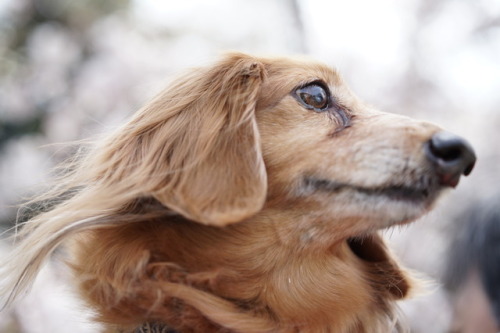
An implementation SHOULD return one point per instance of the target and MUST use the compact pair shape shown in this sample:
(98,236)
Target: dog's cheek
(291,140)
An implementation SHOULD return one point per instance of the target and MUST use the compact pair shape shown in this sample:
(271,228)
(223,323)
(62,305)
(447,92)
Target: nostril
(453,156)
(469,168)
(445,152)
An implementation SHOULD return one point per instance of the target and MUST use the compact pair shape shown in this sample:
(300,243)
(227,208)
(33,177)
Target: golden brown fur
(211,210)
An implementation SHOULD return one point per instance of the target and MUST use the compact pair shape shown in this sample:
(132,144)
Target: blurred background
(73,69)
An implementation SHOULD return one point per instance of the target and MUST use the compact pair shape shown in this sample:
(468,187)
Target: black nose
(452,155)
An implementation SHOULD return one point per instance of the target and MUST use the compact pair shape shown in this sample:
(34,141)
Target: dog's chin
(384,206)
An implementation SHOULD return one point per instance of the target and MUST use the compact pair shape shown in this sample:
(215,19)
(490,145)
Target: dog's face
(359,168)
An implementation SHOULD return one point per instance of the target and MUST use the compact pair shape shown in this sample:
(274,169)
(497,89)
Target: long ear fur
(216,172)
(195,149)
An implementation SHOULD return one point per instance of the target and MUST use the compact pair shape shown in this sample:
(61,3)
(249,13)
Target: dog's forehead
(297,71)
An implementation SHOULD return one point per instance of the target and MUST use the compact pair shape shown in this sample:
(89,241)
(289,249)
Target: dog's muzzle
(452,156)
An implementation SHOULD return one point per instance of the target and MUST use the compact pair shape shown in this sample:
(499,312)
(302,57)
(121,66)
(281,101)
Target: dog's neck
(263,264)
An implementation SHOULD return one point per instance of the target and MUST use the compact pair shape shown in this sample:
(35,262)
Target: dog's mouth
(415,194)
(375,208)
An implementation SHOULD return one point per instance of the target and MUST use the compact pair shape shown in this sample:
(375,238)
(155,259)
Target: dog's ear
(204,148)
(385,272)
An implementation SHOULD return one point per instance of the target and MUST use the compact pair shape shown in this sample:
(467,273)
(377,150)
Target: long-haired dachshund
(246,197)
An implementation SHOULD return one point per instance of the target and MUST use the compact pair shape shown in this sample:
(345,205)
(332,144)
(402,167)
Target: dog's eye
(313,96)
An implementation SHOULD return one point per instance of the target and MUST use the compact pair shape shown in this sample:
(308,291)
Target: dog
(246,197)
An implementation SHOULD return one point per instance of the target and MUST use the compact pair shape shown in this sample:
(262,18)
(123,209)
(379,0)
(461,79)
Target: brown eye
(313,96)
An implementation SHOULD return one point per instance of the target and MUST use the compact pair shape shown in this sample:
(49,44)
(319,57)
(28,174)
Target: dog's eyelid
(317,82)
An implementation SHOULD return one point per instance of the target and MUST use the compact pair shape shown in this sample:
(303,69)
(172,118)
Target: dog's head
(225,141)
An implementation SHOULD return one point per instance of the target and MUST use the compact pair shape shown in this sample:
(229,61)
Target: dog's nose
(452,155)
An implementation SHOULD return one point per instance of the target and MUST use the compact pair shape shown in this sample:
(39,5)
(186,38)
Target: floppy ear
(385,271)
(204,144)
